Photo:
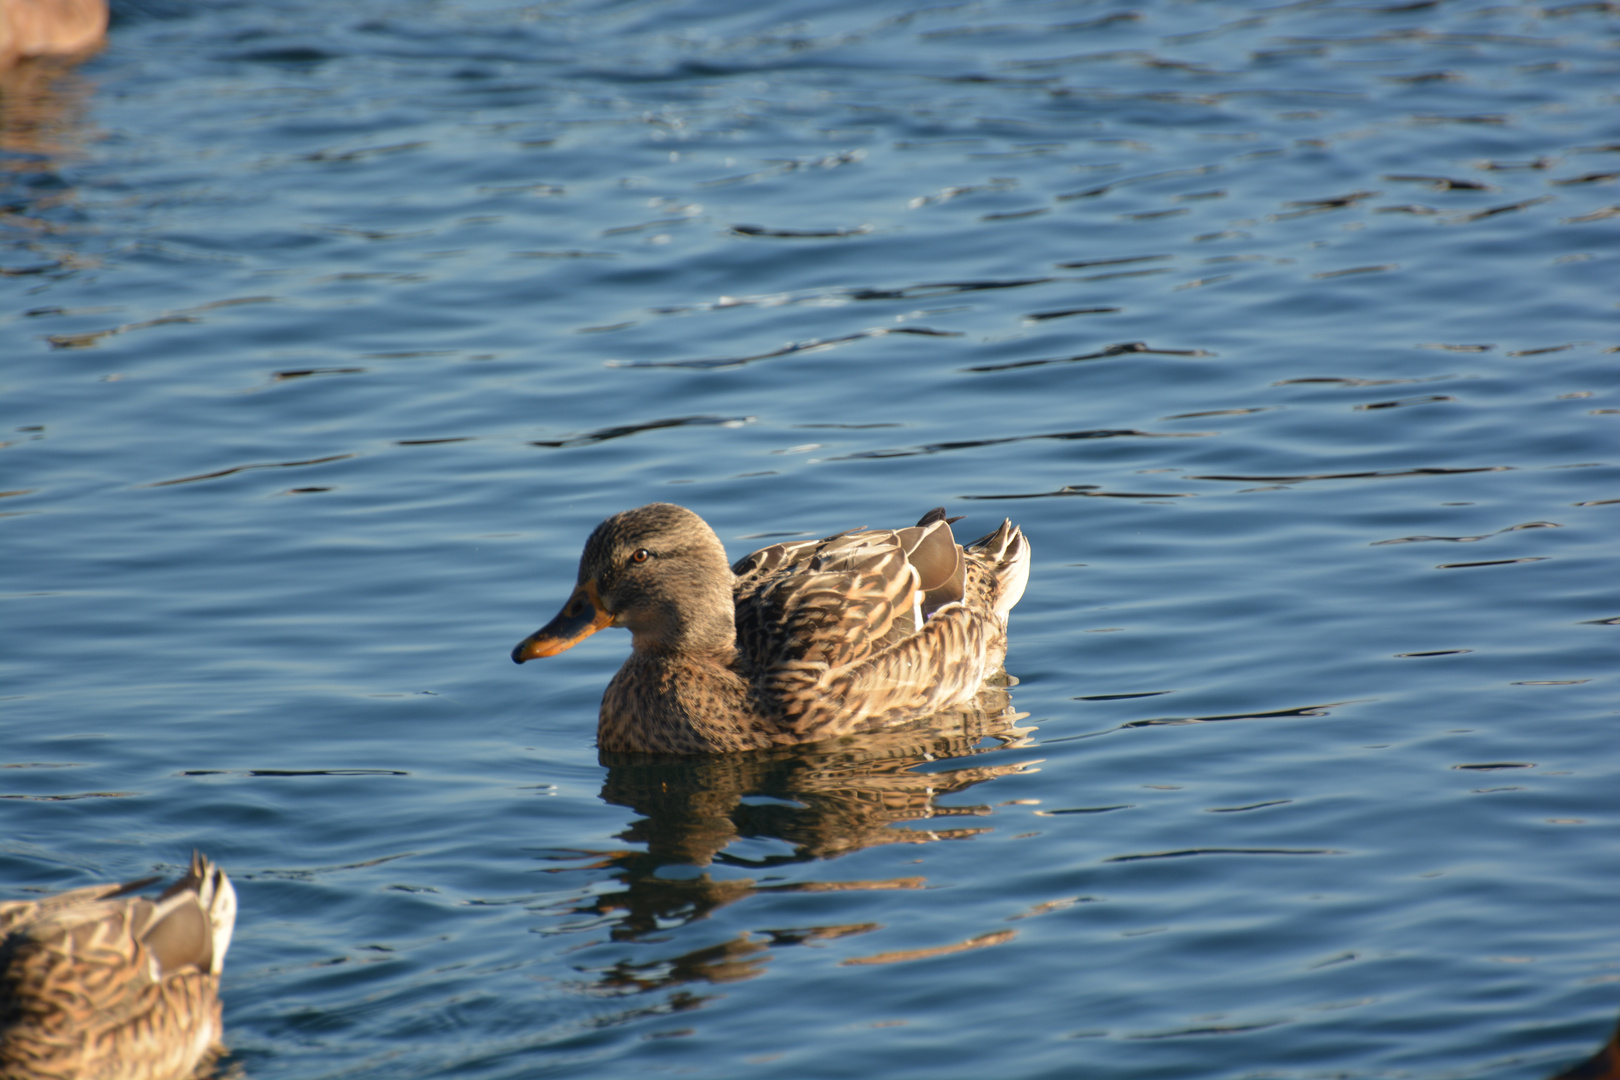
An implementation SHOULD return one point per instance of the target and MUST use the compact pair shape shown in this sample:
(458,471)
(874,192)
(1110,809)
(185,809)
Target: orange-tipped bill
(581,617)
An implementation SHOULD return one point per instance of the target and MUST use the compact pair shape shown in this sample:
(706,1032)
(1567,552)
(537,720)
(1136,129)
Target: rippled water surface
(1288,333)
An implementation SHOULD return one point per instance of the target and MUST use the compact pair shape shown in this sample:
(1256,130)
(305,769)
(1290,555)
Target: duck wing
(18,913)
(869,627)
(829,602)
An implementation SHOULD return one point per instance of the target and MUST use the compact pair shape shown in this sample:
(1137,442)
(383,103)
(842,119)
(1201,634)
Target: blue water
(1287,333)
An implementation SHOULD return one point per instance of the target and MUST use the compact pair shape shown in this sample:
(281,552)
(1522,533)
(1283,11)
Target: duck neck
(700,625)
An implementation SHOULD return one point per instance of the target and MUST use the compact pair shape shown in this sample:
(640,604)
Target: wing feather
(941,665)
(872,627)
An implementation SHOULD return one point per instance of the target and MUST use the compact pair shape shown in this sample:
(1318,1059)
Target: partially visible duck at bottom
(798,642)
(1603,1065)
(30,28)
(99,983)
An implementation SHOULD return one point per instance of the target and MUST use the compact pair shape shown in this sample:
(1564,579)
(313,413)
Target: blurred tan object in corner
(49,27)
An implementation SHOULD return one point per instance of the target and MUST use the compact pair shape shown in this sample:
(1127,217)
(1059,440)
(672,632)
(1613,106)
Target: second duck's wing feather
(17,913)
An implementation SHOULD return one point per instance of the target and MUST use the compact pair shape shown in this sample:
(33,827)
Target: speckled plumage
(797,642)
(49,27)
(96,984)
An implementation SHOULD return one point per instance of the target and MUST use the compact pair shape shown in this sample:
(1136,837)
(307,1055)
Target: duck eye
(641,555)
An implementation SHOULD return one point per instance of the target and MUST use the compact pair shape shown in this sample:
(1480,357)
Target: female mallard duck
(97,983)
(49,27)
(797,642)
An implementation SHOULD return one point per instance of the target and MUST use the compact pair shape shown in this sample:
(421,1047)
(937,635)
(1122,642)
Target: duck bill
(581,617)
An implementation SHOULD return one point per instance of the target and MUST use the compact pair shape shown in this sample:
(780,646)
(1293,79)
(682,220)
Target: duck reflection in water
(44,107)
(823,801)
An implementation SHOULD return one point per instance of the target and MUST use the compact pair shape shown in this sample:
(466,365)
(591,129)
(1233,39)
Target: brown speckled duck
(96,983)
(49,27)
(796,643)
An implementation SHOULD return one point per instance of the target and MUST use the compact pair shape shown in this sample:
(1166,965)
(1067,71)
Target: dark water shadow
(785,806)
(1603,1065)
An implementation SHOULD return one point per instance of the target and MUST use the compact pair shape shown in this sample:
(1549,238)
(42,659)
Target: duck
(798,642)
(30,28)
(100,983)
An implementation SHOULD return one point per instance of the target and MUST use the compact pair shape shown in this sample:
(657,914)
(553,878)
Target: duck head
(658,571)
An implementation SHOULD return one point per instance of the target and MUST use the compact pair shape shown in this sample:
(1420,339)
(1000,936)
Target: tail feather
(177,933)
(1008,553)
